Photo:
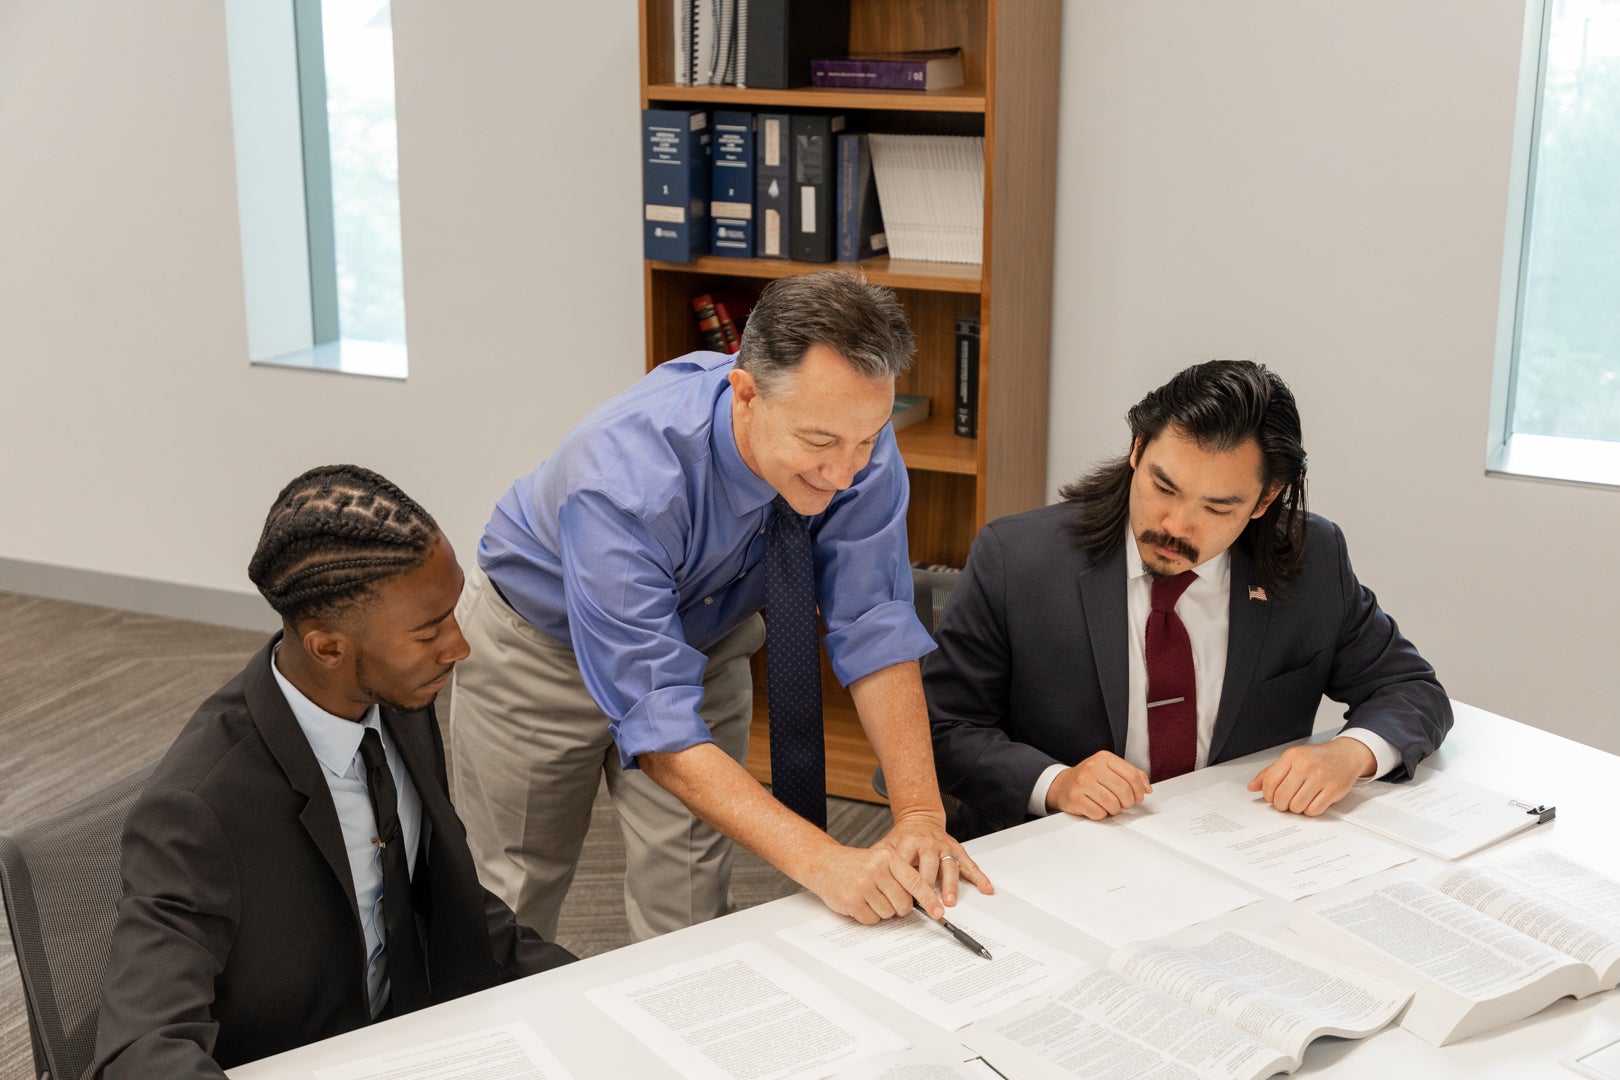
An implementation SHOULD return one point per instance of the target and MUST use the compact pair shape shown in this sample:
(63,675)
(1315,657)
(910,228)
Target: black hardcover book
(967,378)
(785,35)
(812,213)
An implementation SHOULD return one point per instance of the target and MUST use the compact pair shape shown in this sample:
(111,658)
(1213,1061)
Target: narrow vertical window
(312,84)
(1562,398)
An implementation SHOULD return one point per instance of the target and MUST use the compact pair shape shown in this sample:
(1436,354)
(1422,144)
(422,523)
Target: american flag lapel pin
(1257,593)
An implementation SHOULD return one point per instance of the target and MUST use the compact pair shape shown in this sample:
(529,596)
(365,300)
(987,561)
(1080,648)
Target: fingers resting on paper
(1309,779)
(922,842)
(1101,786)
(870,884)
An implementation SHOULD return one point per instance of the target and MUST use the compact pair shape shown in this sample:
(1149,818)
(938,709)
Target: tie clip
(1167,701)
(380,842)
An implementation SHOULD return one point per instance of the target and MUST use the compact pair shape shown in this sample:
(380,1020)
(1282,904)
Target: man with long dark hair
(1178,608)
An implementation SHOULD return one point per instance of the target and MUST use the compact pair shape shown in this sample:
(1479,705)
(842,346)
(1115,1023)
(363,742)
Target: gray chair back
(61,882)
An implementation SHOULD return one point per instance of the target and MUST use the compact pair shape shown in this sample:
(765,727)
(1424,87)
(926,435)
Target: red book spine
(728,327)
(709,323)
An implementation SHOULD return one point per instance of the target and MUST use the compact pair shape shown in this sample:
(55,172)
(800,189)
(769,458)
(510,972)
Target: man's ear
(1136,452)
(327,646)
(1265,500)
(743,387)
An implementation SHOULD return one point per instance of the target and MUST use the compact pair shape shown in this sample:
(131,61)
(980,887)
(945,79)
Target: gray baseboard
(220,607)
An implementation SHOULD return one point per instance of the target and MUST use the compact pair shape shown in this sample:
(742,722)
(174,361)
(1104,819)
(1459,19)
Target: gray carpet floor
(88,694)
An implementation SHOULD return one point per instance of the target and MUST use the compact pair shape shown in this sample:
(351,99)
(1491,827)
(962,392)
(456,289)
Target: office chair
(61,885)
(931,584)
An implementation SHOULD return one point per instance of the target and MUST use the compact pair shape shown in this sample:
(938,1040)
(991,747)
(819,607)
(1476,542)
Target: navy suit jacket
(1032,663)
(238,935)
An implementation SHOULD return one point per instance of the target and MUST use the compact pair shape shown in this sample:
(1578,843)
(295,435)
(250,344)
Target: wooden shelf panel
(881,270)
(961,99)
(932,445)
(850,761)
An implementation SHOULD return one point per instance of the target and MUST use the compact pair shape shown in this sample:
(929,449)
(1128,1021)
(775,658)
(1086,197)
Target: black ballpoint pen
(957,933)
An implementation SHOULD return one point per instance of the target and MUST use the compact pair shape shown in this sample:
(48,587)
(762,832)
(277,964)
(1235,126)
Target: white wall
(1318,185)
(1323,187)
(136,439)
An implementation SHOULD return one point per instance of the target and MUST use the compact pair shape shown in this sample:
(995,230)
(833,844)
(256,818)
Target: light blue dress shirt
(336,743)
(636,543)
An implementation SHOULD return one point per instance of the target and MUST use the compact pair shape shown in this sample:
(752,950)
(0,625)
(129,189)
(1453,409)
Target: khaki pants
(529,748)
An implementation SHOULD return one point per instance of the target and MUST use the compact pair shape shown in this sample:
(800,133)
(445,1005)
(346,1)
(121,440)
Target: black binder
(812,210)
(785,35)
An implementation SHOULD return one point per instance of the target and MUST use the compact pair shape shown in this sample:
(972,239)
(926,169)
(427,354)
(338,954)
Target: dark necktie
(1171,689)
(793,668)
(402,945)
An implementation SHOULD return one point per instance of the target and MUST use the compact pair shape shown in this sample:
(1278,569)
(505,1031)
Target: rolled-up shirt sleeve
(623,617)
(863,571)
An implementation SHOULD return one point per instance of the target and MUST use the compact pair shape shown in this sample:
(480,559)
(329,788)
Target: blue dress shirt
(336,743)
(635,543)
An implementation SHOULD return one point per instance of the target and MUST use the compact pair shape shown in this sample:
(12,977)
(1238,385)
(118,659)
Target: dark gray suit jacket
(238,935)
(1032,664)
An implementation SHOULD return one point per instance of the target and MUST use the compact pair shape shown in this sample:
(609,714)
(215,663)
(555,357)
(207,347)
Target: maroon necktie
(1171,689)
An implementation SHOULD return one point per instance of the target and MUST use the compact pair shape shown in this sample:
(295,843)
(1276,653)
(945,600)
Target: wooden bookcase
(1010,62)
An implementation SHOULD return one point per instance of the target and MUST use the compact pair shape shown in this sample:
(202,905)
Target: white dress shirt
(1205,610)
(336,743)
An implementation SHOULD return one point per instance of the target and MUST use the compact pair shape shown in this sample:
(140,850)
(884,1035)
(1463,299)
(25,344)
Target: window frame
(1585,462)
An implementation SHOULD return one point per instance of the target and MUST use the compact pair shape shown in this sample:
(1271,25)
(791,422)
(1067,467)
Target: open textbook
(1483,945)
(1227,1006)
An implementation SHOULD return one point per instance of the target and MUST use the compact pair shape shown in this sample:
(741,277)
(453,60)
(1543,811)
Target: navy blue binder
(860,221)
(675,183)
(731,202)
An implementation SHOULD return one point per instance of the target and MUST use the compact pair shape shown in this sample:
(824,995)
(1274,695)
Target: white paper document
(1110,884)
(743,1014)
(513,1052)
(1434,812)
(919,964)
(1289,855)
(916,1064)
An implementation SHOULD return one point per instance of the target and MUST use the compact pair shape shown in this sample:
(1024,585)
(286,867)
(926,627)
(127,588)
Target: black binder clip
(1543,814)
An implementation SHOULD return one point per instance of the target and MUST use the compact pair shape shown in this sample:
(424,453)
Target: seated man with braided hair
(294,868)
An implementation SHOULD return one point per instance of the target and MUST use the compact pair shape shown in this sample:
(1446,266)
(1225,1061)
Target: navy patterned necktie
(793,668)
(402,945)
(1172,692)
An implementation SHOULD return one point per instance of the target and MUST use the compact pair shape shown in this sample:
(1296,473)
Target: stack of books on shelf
(758,185)
(932,190)
(720,319)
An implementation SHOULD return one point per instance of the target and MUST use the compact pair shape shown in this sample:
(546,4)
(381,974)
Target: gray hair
(862,322)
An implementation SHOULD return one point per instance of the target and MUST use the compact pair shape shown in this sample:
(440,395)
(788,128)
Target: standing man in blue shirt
(616,605)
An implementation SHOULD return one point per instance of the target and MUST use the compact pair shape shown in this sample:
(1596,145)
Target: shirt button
(708,599)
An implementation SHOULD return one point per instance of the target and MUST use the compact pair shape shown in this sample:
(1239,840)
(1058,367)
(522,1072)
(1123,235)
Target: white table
(1484,748)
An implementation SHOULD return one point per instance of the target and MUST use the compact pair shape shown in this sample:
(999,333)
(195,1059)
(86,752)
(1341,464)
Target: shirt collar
(745,492)
(1216,571)
(334,739)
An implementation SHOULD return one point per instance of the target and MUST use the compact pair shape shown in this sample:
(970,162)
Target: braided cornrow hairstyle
(331,535)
